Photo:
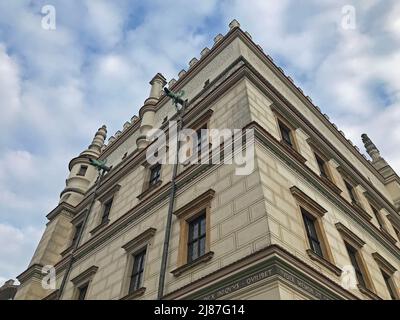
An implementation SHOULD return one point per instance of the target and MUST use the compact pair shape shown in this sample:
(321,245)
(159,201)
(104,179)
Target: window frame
(79,295)
(354,241)
(390,286)
(106,210)
(354,256)
(142,254)
(350,189)
(83,168)
(187,213)
(192,156)
(389,270)
(132,248)
(151,180)
(311,222)
(378,217)
(107,196)
(77,229)
(198,238)
(325,172)
(84,279)
(316,212)
(282,124)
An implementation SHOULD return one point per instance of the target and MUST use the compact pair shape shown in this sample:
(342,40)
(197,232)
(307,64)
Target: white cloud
(16,247)
(9,86)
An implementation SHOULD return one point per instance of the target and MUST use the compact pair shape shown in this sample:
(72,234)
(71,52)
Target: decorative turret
(392,180)
(371,148)
(82,174)
(148,110)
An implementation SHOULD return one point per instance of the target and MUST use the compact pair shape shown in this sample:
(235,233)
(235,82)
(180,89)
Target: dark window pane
(389,285)
(196,238)
(155,174)
(137,271)
(203,227)
(321,166)
(377,216)
(349,188)
(106,210)
(312,235)
(82,291)
(82,171)
(353,258)
(78,228)
(285,133)
(202,248)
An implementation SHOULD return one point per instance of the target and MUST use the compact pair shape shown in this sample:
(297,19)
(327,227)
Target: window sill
(333,186)
(149,190)
(293,152)
(327,264)
(66,251)
(100,226)
(135,294)
(388,236)
(361,211)
(368,217)
(204,258)
(368,293)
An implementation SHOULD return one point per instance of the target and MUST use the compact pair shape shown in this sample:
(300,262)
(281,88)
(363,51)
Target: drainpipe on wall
(164,258)
(72,259)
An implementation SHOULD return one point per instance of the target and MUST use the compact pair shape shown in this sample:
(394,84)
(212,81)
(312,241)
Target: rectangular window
(285,134)
(82,171)
(352,252)
(200,137)
(106,210)
(378,217)
(155,174)
(78,229)
(197,238)
(82,290)
(312,235)
(137,271)
(389,285)
(322,166)
(350,190)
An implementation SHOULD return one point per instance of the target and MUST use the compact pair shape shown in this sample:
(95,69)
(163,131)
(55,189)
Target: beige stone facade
(257,245)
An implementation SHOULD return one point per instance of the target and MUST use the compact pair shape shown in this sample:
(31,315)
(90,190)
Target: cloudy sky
(58,86)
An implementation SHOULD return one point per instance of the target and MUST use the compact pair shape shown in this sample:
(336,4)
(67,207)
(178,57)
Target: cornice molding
(202,200)
(349,235)
(138,241)
(274,256)
(86,275)
(302,198)
(106,194)
(383,263)
(62,207)
(34,271)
